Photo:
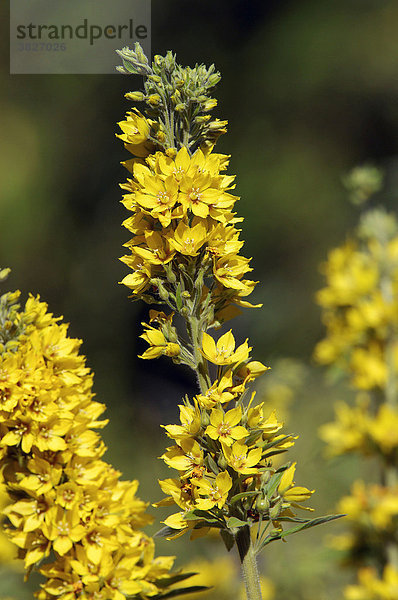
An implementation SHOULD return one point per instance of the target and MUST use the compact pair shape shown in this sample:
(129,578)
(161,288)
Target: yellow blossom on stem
(224,353)
(224,426)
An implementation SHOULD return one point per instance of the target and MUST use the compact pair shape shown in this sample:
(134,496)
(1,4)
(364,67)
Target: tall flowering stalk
(70,515)
(360,312)
(185,254)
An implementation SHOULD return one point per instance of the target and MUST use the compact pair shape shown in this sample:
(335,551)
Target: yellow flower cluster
(356,429)
(222,454)
(70,514)
(358,315)
(7,549)
(372,511)
(185,254)
(183,218)
(373,587)
(360,311)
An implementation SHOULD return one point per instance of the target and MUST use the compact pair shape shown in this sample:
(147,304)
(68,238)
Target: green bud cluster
(362,183)
(176,97)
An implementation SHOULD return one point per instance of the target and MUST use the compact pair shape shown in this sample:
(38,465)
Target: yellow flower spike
(224,426)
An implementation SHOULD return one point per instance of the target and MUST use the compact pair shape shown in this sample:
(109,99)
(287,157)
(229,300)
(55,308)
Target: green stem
(201,363)
(248,561)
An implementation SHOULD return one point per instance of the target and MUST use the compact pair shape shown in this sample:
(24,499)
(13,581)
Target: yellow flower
(63,528)
(241,459)
(190,423)
(158,196)
(224,352)
(229,270)
(189,240)
(135,134)
(187,458)
(216,491)
(289,491)
(224,426)
(349,431)
(383,429)
(158,344)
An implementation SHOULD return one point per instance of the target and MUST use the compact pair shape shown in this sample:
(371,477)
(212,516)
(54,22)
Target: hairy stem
(249,564)
(201,363)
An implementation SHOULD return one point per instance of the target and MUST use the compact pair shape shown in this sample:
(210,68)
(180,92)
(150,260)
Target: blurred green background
(310,89)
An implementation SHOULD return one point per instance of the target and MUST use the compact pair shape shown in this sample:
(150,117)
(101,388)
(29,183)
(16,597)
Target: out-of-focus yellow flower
(372,587)
(348,432)
(65,501)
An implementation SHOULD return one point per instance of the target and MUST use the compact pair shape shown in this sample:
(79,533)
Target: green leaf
(181,591)
(303,525)
(235,522)
(228,539)
(166,532)
(164,582)
(211,463)
(178,297)
(244,495)
(196,513)
(272,484)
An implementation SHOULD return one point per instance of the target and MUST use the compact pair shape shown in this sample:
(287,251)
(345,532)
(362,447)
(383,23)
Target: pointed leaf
(244,495)
(181,591)
(235,522)
(304,525)
(228,539)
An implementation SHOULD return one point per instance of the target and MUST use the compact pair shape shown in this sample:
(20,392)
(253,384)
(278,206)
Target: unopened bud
(210,104)
(154,100)
(4,273)
(205,418)
(202,119)
(222,462)
(185,294)
(262,504)
(180,107)
(135,96)
(275,511)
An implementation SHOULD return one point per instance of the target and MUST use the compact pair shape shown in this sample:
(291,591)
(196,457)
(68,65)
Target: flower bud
(275,511)
(135,96)
(262,504)
(205,418)
(222,462)
(154,100)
